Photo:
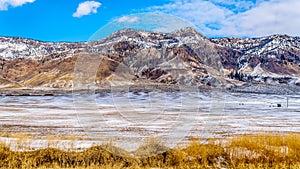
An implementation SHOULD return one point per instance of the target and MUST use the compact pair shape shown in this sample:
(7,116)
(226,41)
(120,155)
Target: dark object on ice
(48,94)
(275,105)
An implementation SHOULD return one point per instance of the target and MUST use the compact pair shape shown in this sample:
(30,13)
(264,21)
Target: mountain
(273,58)
(182,57)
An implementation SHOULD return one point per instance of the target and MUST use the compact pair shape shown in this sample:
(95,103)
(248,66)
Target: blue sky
(77,20)
(53,21)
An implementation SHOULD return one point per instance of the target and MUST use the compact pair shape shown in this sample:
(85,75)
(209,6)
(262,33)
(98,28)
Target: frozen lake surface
(131,117)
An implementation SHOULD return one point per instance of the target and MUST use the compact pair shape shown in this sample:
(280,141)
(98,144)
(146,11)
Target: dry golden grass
(276,151)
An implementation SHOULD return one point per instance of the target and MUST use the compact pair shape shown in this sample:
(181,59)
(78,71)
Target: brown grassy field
(260,151)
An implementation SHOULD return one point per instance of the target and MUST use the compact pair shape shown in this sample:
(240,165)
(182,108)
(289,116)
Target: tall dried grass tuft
(260,151)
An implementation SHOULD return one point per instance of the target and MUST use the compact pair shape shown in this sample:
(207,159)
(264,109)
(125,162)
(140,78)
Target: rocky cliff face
(181,57)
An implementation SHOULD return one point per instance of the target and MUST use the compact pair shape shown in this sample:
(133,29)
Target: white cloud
(238,18)
(86,8)
(203,14)
(272,17)
(128,19)
(4,4)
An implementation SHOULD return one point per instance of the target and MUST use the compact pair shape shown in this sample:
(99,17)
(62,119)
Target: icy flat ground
(126,117)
